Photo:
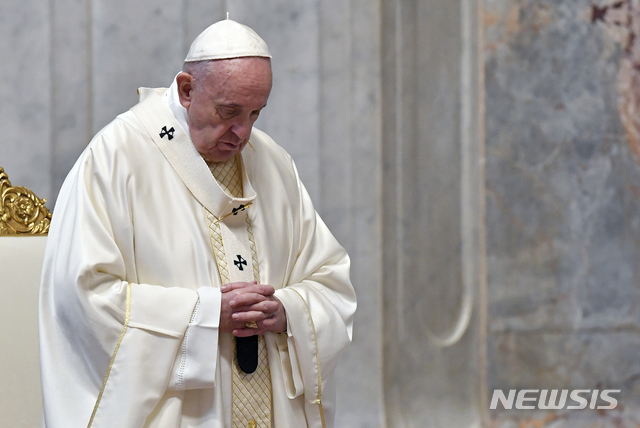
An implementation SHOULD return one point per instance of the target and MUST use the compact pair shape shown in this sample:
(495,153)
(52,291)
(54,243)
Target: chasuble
(130,299)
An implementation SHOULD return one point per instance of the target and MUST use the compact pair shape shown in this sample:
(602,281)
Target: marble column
(433,248)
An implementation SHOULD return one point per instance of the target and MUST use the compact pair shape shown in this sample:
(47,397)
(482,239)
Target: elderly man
(188,281)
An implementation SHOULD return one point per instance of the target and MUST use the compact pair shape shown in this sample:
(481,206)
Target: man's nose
(242,128)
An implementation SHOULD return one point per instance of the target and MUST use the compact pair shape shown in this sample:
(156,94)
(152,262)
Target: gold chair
(24,223)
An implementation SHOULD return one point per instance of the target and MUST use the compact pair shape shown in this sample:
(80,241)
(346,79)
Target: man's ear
(185,88)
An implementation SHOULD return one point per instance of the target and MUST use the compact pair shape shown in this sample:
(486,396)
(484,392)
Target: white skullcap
(227,39)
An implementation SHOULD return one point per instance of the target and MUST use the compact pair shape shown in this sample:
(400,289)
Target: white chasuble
(130,293)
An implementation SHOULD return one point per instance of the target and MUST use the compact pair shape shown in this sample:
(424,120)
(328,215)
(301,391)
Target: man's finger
(246,332)
(246,300)
(266,289)
(236,285)
(266,306)
(250,316)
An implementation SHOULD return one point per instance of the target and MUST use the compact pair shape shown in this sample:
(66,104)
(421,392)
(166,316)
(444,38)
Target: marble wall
(563,207)
(548,243)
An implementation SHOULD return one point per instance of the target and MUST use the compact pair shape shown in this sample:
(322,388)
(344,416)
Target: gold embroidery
(233,212)
(115,352)
(251,401)
(218,246)
(253,388)
(228,175)
(315,338)
(250,389)
(254,250)
(21,211)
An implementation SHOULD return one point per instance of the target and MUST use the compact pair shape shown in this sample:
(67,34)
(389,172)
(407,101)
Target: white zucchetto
(227,39)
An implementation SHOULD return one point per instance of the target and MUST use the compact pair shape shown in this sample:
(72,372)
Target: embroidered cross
(235,211)
(240,262)
(168,133)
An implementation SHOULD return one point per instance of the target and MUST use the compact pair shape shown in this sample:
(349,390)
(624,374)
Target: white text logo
(544,399)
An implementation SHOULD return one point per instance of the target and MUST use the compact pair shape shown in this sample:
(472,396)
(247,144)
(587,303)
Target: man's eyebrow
(235,106)
(258,109)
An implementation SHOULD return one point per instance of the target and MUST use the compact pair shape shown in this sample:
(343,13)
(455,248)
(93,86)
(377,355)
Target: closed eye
(254,114)
(228,112)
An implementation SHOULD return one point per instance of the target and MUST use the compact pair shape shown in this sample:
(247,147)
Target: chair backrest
(24,222)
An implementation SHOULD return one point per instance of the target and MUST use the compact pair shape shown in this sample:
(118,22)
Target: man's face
(223,105)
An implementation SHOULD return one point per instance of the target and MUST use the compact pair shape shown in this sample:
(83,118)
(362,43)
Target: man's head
(225,83)
(223,99)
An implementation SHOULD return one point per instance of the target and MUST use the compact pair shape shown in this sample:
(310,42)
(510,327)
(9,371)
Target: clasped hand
(250,302)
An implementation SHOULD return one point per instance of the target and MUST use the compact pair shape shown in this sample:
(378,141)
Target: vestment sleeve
(320,303)
(195,366)
(91,304)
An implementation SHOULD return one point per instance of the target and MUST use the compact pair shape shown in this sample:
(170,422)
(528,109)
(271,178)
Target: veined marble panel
(71,96)
(563,207)
(25,94)
(134,44)
(349,155)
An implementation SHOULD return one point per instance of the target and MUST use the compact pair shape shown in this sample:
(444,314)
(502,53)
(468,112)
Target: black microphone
(247,353)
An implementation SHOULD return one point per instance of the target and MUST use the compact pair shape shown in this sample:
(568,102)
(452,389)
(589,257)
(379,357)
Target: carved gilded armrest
(21,211)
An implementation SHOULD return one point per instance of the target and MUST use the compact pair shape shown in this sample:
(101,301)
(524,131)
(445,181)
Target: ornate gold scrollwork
(21,211)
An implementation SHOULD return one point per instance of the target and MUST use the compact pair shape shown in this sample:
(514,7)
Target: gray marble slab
(563,212)
(25,94)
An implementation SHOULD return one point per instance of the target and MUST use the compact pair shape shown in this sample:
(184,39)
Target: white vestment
(131,219)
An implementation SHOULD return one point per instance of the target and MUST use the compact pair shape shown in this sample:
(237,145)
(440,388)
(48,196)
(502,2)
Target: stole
(237,259)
